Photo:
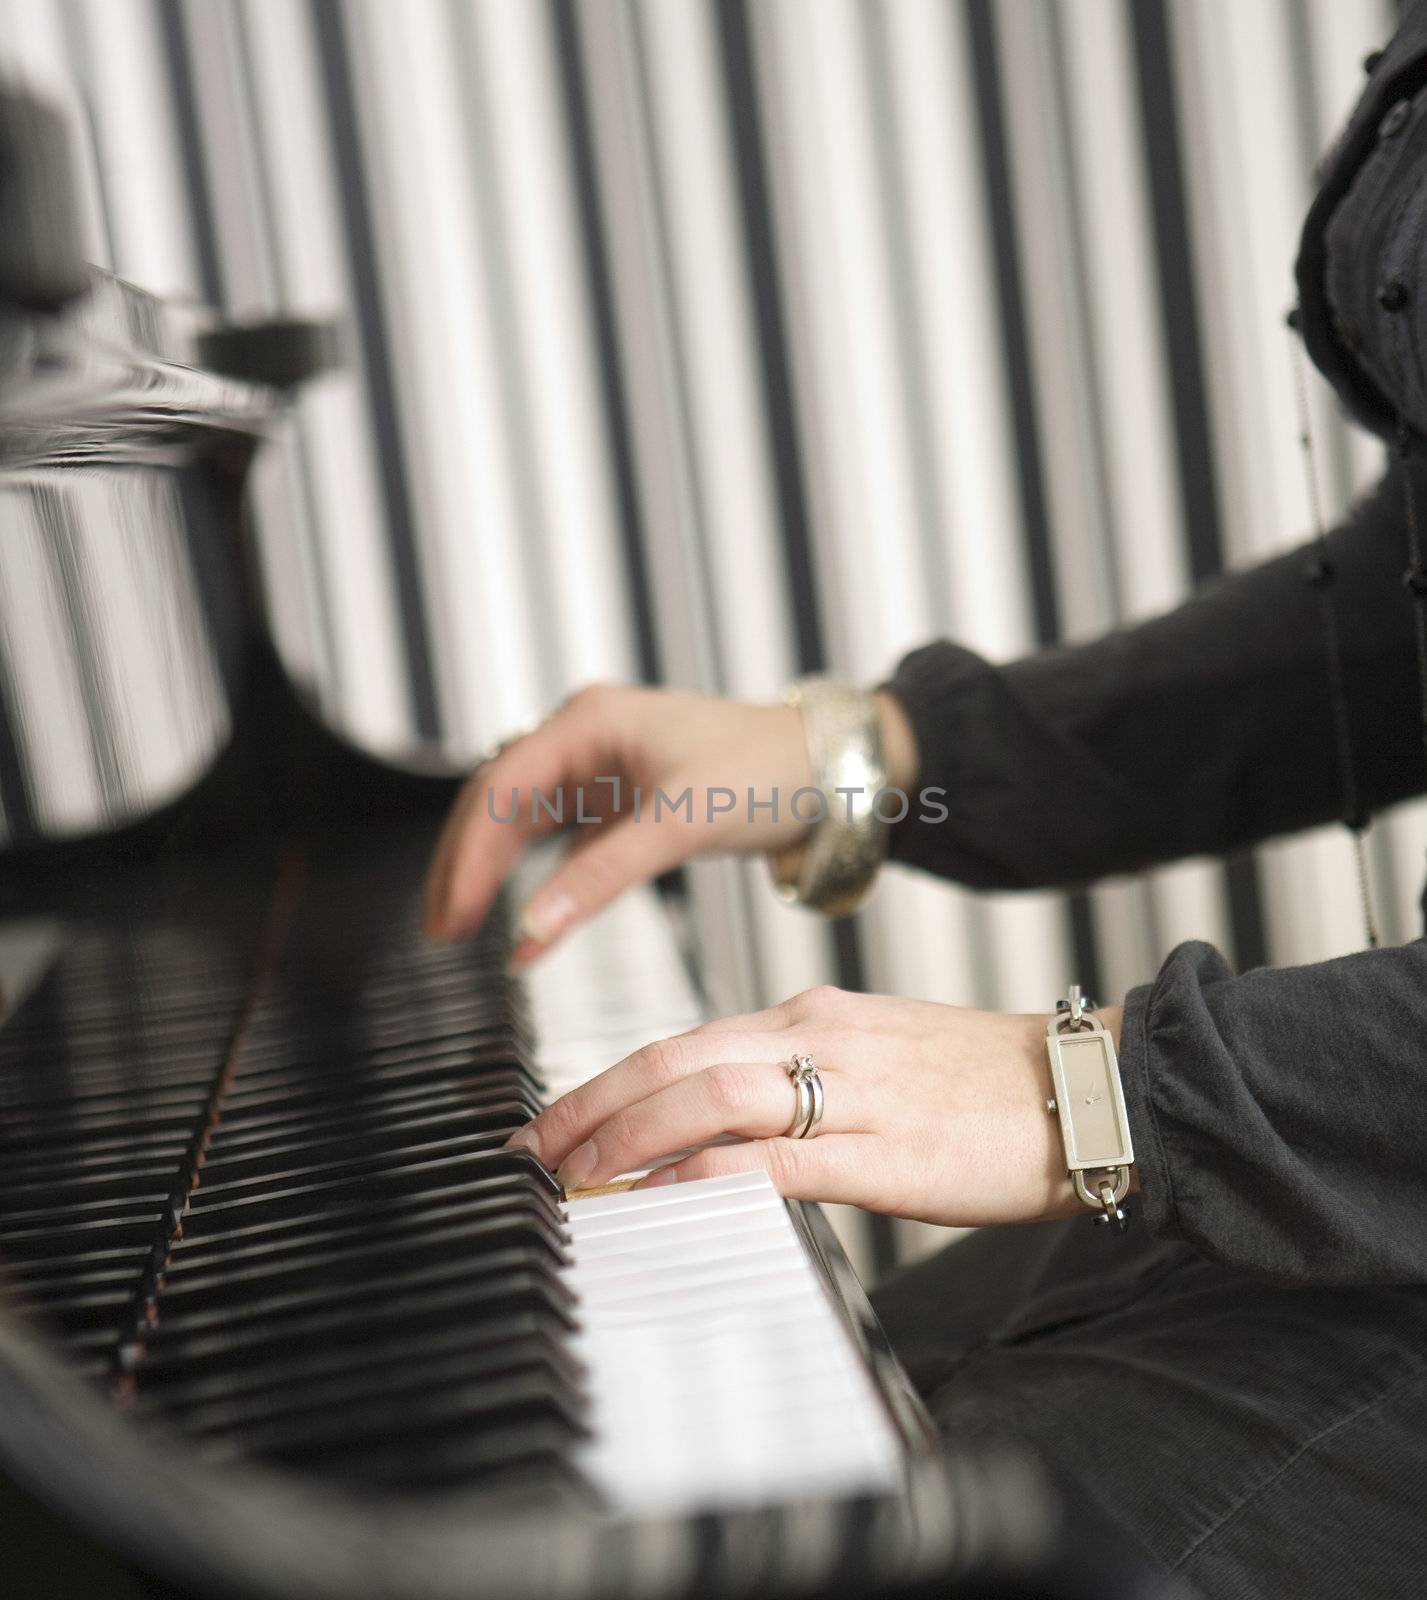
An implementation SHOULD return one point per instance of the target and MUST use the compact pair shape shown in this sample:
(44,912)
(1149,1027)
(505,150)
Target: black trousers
(1257,1439)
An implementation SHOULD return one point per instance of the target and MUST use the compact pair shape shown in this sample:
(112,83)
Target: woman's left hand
(930,1111)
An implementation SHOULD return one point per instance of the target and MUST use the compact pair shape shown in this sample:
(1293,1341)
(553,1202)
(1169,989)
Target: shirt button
(1370,61)
(1393,295)
(1395,120)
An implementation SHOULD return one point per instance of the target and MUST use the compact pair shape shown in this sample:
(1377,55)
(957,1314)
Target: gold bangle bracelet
(833,867)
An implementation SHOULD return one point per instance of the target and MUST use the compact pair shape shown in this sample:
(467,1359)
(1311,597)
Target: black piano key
(55,1284)
(369,1210)
(107,1311)
(407,1005)
(303,1408)
(289,1047)
(217,1207)
(260,1386)
(296,1306)
(361,1260)
(224,1349)
(263,1246)
(529,1450)
(112,1110)
(308,1063)
(372,1156)
(59,1237)
(81,1156)
(354,1108)
(62,1262)
(363,1281)
(413,1420)
(94,1344)
(151,1183)
(344,1143)
(75,1218)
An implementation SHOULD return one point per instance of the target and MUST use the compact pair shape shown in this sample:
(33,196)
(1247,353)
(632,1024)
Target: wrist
(899,741)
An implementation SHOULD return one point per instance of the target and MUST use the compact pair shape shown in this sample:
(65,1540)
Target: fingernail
(578,1165)
(543,919)
(522,957)
(525,1139)
(658,1178)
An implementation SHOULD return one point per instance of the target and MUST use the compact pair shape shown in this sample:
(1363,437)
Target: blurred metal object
(281,352)
(42,265)
(833,866)
(117,621)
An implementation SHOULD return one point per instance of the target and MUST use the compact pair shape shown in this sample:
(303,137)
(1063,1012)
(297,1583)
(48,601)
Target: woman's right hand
(646,739)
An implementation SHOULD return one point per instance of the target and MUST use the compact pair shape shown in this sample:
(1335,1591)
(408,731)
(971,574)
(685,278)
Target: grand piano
(279,1315)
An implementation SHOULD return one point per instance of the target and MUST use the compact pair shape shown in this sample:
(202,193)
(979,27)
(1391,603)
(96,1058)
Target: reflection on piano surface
(279,1314)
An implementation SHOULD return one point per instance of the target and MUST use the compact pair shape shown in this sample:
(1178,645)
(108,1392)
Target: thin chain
(1321,577)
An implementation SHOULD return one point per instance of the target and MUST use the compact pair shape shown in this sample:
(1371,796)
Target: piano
(280,1316)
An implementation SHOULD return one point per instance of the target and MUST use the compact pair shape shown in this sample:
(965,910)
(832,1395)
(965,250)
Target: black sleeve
(1195,733)
(1277,1117)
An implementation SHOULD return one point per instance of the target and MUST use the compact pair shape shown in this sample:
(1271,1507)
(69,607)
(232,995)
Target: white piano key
(633,1200)
(737,1236)
(718,1376)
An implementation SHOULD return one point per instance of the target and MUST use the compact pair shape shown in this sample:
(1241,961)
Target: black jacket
(1280,1118)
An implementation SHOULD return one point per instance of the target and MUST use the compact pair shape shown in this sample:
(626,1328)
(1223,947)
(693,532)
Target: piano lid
(117,626)
(132,624)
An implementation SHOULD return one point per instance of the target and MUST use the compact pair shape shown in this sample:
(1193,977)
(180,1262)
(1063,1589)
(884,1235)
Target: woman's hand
(931,1111)
(607,742)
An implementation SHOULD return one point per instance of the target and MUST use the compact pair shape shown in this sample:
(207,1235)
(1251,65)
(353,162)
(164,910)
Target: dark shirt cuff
(1276,1116)
(1154,1203)
(943,688)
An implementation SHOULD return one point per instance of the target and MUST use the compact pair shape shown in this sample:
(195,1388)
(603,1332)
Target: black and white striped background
(714,341)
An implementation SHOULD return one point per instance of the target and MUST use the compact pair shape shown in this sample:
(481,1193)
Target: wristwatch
(1089,1099)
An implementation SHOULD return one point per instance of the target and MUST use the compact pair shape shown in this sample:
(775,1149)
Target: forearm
(1198,732)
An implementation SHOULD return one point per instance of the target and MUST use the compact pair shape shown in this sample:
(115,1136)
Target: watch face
(1091,1109)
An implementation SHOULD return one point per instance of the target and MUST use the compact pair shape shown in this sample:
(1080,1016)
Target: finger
(571,1119)
(755,1099)
(835,1168)
(612,858)
(438,874)
(486,834)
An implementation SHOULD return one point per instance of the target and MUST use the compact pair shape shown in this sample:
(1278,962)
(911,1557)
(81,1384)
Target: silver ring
(804,1092)
(809,1114)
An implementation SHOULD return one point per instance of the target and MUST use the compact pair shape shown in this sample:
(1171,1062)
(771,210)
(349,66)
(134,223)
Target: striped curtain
(715,341)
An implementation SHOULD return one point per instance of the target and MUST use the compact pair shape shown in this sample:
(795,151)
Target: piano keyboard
(275,1214)
(614,984)
(719,1373)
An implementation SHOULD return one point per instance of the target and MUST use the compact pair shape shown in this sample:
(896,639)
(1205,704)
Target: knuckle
(824,999)
(594,698)
(557,1122)
(785,1162)
(620,1133)
(729,1089)
(664,1060)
